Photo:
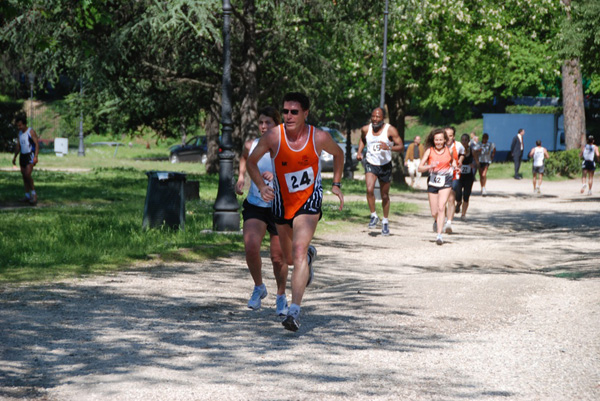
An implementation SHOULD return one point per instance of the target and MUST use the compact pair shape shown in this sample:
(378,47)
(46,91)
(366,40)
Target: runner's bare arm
(35,140)
(265,144)
(396,140)
(422,166)
(17,151)
(239,186)
(361,143)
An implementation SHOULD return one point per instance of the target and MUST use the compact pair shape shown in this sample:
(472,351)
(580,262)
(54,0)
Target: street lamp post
(226,216)
(384,64)
(348,172)
(81,151)
(31,82)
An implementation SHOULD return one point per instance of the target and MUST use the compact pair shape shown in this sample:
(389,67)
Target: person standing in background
(516,150)
(27,150)
(412,160)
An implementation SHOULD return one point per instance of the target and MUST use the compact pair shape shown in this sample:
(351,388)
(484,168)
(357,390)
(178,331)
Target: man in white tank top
(27,150)
(539,153)
(381,140)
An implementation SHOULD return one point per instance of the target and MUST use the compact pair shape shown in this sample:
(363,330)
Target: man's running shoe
(439,239)
(435,226)
(257,295)
(583,188)
(312,255)
(385,229)
(590,192)
(291,323)
(281,306)
(448,228)
(457,208)
(483,192)
(374,221)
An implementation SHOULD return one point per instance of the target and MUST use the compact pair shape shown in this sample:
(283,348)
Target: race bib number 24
(300,180)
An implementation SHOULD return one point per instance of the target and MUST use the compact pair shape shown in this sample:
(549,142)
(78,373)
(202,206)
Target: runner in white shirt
(588,166)
(380,140)
(27,150)
(539,153)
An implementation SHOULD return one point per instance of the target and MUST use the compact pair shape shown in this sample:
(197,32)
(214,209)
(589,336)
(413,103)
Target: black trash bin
(165,200)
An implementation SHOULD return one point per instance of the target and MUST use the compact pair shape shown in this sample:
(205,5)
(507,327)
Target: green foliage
(8,132)
(580,37)
(521,109)
(565,164)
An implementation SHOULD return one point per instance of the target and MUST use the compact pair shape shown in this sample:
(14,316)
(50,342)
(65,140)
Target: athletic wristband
(337,184)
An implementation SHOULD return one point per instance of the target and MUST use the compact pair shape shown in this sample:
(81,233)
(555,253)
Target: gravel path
(507,309)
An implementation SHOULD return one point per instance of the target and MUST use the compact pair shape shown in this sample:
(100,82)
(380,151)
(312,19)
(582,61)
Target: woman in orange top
(441,165)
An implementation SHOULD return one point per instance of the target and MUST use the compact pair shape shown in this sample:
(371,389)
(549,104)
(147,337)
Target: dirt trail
(507,309)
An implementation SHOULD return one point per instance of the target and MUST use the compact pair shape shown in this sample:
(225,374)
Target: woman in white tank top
(588,166)
(258,219)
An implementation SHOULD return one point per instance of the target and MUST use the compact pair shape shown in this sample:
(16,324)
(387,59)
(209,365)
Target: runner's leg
(301,236)
(370,179)
(384,187)
(483,175)
(280,268)
(254,232)
(443,196)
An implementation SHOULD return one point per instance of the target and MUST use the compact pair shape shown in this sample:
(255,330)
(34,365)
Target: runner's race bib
(300,180)
(437,180)
(465,169)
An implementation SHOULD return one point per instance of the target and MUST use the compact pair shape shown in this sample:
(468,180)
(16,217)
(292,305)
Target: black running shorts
(384,172)
(260,213)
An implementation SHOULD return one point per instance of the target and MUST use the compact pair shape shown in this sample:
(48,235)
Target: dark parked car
(327,159)
(194,150)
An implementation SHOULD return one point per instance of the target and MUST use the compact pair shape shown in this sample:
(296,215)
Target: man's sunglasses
(294,112)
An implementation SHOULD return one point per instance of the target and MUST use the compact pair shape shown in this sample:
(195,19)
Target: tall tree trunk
(396,105)
(573,106)
(212,128)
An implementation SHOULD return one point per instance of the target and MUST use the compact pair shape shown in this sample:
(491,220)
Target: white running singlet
(375,155)
(538,156)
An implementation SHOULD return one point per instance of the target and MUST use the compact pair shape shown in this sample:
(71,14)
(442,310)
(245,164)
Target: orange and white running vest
(297,177)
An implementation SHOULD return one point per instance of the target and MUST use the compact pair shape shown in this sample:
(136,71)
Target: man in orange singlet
(296,193)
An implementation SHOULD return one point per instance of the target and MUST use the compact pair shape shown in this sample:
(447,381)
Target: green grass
(89,221)
(414,127)
(506,170)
